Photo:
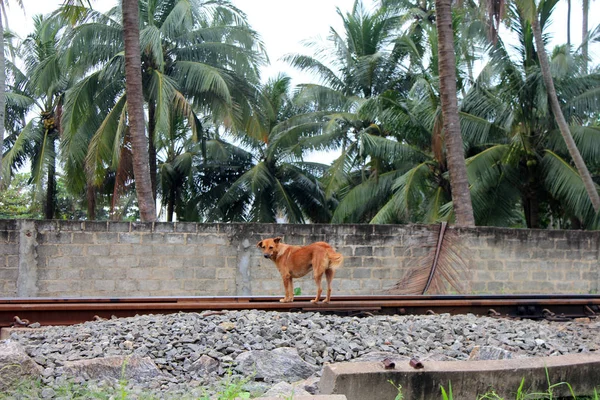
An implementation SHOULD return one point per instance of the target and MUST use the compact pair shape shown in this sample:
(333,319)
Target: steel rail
(66,311)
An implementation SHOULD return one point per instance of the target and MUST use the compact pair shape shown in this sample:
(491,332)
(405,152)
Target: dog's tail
(335,259)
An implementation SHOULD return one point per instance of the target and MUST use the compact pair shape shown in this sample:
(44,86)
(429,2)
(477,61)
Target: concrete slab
(371,381)
(318,397)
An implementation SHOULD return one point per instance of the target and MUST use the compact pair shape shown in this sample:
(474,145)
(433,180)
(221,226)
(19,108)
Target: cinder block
(107,238)
(187,227)
(83,238)
(175,238)
(141,227)
(164,227)
(96,226)
(205,273)
(361,273)
(130,238)
(104,285)
(114,226)
(97,250)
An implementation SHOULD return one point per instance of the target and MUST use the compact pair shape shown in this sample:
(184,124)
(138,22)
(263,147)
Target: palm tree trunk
(151,146)
(51,189)
(531,208)
(590,187)
(584,32)
(90,193)
(2,95)
(461,196)
(171,204)
(135,109)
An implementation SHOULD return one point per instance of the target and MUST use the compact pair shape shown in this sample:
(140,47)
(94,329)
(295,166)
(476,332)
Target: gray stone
(480,353)
(281,364)
(205,365)
(115,367)
(16,365)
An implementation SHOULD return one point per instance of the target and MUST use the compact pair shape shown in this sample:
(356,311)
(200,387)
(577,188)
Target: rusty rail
(66,311)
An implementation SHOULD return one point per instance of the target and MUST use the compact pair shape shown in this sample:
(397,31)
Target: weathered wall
(109,259)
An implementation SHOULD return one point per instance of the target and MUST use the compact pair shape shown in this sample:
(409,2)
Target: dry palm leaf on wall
(440,270)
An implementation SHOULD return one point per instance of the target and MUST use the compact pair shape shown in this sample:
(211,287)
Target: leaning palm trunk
(560,118)
(461,197)
(2,95)
(135,108)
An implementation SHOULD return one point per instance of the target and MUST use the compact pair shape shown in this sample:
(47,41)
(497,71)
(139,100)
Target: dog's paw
(314,301)
(286,300)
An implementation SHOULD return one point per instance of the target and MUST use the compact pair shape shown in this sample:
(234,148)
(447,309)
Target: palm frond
(565,184)
(105,145)
(162,92)
(152,47)
(364,197)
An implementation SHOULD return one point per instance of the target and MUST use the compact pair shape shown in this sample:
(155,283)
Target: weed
(398,388)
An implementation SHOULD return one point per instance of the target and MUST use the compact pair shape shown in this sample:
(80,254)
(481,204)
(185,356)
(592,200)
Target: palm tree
(459,183)
(135,108)
(3,77)
(197,59)
(43,85)
(361,62)
(531,166)
(279,185)
(590,187)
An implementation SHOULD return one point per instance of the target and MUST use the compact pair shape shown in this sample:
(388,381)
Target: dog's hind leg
(329,273)
(318,275)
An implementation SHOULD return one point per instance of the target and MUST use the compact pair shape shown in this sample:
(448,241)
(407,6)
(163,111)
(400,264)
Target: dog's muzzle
(267,256)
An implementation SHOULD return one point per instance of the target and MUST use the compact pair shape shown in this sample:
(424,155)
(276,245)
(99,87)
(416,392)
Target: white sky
(284,24)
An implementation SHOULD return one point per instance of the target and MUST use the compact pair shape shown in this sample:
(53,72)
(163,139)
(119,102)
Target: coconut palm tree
(41,86)
(198,59)
(461,196)
(544,63)
(3,5)
(533,166)
(358,63)
(135,110)
(280,185)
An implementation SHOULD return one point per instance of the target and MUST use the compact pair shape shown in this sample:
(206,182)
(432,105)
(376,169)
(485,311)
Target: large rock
(281,364)
(131,368)
(16,365)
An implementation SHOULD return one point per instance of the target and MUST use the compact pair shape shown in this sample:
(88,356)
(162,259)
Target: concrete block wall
(116,259)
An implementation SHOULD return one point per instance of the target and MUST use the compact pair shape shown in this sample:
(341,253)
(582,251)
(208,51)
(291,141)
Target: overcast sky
(284,24)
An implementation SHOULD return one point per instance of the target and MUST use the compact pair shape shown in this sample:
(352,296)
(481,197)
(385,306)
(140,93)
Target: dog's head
(269,247)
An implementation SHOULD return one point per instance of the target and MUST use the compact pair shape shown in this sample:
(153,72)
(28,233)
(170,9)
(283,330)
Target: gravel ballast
(195,351)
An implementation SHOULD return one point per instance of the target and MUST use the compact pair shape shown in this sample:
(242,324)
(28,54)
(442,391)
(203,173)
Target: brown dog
(297,261)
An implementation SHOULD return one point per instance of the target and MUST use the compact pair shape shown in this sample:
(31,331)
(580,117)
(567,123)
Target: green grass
(229,389)
(446,393)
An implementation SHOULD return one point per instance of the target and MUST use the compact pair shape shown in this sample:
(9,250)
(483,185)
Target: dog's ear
(277,240)
(259,244)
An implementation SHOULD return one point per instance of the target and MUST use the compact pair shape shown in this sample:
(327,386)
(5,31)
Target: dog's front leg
(289,289)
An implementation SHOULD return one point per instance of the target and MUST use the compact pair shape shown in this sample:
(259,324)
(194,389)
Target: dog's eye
(270,247)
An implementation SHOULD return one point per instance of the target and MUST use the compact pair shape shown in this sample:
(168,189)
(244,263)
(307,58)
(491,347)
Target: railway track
(68,311)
